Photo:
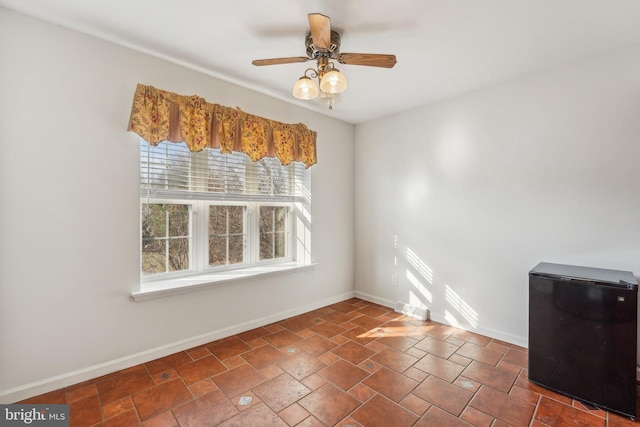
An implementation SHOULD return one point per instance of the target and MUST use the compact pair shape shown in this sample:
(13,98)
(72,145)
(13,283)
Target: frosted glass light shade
(305,88)
(330,99)
(333,82)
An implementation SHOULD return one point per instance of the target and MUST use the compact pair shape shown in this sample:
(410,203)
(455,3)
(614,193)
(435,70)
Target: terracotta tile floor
(353,363)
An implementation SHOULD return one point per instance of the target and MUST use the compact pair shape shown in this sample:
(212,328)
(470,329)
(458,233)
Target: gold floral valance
(158,115)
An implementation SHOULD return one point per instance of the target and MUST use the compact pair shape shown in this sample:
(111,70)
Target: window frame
(200,272)
(206,267)
(169,274)
(199,237)
(290,227)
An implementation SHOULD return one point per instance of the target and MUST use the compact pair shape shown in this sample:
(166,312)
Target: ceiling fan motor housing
(314,52)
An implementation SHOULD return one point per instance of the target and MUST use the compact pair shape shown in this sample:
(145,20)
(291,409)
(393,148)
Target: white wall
(69,211)
(467,194)
(462,198)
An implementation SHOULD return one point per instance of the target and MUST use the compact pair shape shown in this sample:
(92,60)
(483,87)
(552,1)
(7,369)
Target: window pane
(166,239)
(273,232)
(217,220)
(236,249)
(178,220)
(154,256)
(280,218)
(154,222)
(266,245)
(217,250)
(226,235)
(236,219)
(266,219)
(178,254)
(279,249)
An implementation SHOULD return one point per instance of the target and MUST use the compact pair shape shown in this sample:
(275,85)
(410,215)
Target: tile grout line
(403,340)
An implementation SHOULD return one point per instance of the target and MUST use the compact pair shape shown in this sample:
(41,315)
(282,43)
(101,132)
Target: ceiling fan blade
(276,61)
(320,26)
(368,59)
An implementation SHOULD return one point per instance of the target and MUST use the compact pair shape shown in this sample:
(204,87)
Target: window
(273,231)
(227,235)
(166,237)
(206,213)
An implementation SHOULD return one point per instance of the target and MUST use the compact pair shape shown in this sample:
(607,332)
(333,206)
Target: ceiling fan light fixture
(329,99)
(333,82)
(323,46)
(305,88)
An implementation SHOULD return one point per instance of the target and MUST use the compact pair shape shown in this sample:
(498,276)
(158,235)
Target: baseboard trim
(374,299)
(492,333)
(487,332)
(411,311)
(36,388)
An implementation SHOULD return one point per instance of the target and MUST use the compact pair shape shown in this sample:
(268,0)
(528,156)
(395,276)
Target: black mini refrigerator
(583,334)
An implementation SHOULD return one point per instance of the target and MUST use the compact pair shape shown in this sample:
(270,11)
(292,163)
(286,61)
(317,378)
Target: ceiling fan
(323,46)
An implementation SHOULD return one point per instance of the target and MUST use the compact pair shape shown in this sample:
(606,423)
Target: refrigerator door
(582,337)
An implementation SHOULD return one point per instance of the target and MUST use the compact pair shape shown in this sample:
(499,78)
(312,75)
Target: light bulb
(333,82)
(305,88)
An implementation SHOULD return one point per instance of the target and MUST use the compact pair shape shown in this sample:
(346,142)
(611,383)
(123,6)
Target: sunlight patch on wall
(451,319)
(395,247)
(303,234)
(422,268)
(414,300)
(304,212)
(422,293)
(464,309)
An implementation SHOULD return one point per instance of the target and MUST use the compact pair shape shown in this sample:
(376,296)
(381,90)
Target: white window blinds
(170,170)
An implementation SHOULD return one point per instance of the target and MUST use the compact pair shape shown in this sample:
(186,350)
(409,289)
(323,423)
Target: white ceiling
(443,47)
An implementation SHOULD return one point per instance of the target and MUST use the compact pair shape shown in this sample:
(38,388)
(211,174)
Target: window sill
(164,288)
